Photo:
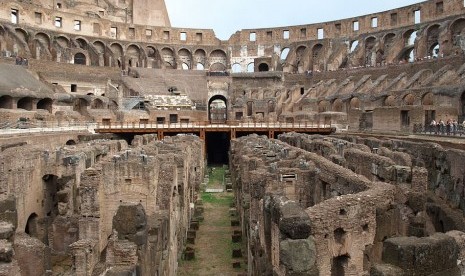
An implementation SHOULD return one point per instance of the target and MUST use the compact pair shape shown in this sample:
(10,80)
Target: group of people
(21,61)
(450,127)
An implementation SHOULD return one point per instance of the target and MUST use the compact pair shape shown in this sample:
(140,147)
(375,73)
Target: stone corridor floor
(213,245)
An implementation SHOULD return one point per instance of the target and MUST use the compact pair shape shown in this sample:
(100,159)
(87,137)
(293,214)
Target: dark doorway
(217,109)
(430,115)
(217,144)
(263,67)
(80,58)
(340,265)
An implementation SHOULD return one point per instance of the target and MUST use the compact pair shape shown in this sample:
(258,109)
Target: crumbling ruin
(73,202)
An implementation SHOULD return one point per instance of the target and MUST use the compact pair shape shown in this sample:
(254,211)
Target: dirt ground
(213,245)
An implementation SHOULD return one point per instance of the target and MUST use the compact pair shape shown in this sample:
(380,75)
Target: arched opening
(153,57)
(80,58)
(389,41)
(185,58)
(45,104)
(218,56)
(338,105)
(6,102)
(323,106)
(370,51)
(217,109)
(70,143)
(200,66)
(236,68)
(81,43)
(62,42)
(250,67)
(217,67)
(340,265)
(284,54)
(31,225)
(428,99)
(317,57)
(432,40)
(409,37)
(25,103)
(457,30)
(353,46)
(97,104)
(409,99)
(80,105)
(355,103)
(389,101)
(200,56)
(434,50)
(407,55)
(263,67)
(117,51)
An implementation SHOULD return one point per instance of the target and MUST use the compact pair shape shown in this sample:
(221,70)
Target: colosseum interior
(340,143)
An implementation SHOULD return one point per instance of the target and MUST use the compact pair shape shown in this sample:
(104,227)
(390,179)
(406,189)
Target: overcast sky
(226,17)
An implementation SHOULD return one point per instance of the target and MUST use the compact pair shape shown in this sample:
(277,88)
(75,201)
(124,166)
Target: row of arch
(99,53)
(30,104)
(413,44)
(338,105)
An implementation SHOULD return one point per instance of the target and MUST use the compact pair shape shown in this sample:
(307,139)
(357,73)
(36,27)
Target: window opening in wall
(101,13)
(58,5)
(302,90)
(132,32)
(198,37)
(73,87)
(303,33)
(269,35)
(288,177)
(185,66)
(173,118)
(320,33)
(183,36)
(58,22)
(114,32)
(405,118)
(252,36)
(353,46)
(338,26)
(38,17)
(77,25)
(355,26)
(160,120)
(14,16)
(148,33)
(393,19)
(200,66)
(166,35)
(251,67)
(284,54)
(236,68)
(374,22)
(439,7)
(417,16)
(286,34)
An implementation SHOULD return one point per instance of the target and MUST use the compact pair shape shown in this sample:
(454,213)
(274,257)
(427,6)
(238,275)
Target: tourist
(441,126)
(433,126)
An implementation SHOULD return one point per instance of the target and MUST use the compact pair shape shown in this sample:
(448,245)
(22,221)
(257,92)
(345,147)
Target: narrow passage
(213,243)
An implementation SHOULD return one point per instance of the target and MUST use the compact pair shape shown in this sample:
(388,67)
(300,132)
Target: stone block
(436,253)
(385,270)
(6,230)
(6,251)
(298,256)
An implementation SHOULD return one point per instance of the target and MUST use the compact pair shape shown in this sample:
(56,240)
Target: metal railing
(447,130)
(208,125)
(22,127)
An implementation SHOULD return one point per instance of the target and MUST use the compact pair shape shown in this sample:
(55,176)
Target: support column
(160,135)
(271,134)
(204,138)
(233,133)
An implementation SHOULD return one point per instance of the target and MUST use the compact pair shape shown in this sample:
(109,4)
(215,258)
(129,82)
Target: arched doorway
(263,67)
(217,109)
(80,58)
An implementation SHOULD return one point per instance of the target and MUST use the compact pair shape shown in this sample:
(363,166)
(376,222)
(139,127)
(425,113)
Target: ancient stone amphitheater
(109,118)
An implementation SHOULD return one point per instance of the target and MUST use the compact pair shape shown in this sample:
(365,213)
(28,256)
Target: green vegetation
(216,175)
